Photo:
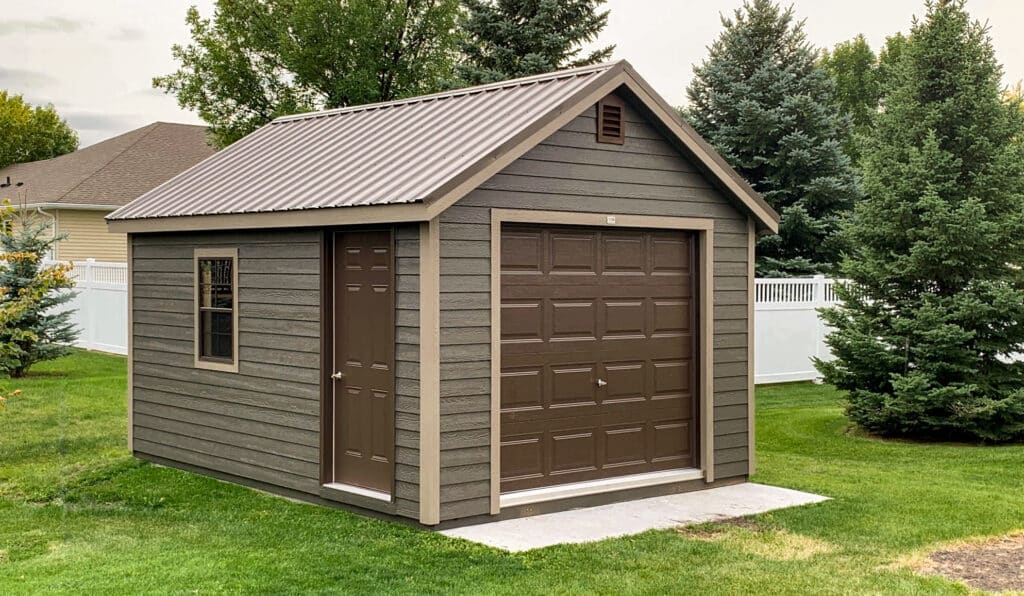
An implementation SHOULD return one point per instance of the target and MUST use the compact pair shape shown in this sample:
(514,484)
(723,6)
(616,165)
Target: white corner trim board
(595,487)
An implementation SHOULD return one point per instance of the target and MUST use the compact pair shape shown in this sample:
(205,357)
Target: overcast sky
(94,59)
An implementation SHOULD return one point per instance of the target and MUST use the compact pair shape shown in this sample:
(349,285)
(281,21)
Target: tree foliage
(32,326)
(31,133)
(505,39)
(935,308)
(764,102)
(255,60)
(861,79)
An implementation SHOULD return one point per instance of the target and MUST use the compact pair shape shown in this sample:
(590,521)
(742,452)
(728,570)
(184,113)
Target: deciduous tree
(255,60)
(31,133)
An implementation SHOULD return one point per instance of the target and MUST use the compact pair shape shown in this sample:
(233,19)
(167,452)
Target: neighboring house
(76,191)
(497,301)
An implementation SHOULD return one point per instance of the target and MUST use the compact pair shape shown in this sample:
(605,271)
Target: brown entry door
(364,360)
(598,354)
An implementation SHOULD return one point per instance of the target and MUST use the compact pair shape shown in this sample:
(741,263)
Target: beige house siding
(87,237)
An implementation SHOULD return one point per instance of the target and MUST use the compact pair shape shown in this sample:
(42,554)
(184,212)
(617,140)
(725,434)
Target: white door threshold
(358,490)
(595,487)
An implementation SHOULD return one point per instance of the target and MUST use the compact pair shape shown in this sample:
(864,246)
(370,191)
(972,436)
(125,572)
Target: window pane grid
(216,309)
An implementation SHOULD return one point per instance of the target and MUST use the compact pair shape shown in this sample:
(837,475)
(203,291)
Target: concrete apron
(632,517)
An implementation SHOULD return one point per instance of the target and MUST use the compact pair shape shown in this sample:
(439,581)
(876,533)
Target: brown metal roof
(378,154)
(405,160)
(113,172)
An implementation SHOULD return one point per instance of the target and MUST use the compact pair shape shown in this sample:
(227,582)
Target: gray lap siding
(570,171)
(262,423)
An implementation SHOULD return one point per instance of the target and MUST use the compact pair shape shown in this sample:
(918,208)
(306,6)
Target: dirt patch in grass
(755,539)
(993,565)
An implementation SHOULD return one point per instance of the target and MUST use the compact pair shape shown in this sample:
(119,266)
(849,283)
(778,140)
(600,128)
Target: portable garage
(495,301)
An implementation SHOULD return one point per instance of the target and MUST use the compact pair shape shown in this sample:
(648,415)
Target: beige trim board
(307,218)
(705,228)
(131,353)
(430,373)
(751,411)
(218,253)
(707,354)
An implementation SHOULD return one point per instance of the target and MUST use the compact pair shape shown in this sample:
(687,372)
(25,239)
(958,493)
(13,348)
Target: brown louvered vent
(611,123)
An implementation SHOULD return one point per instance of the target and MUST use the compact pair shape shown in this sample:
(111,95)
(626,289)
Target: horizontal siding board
(465,508)
(227,466)
(238,433)
(306,425)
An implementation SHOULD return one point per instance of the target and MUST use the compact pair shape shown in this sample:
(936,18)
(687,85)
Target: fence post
(819,327)
(88,299)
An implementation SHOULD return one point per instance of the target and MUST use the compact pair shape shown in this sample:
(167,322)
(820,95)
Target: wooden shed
(496,301)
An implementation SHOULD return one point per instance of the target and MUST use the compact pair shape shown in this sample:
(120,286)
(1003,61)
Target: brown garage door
(598,353)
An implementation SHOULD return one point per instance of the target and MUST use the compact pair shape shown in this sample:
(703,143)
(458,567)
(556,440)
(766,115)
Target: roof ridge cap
(498,85)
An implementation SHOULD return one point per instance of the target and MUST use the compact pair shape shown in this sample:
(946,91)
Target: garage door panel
(522,388)
(522,456)
(572,319)
(522,320)
(573,450)
(574,252)
(671,440)
(616,307)
(522,251)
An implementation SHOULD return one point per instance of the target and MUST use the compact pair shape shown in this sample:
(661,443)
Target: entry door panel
(364,354)
(598,354)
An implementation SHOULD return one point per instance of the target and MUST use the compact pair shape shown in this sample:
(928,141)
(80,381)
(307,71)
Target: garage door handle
(338,376)
(601,382)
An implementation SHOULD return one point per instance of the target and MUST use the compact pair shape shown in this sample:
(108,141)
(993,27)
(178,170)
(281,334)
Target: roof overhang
(76,206)
(621,75)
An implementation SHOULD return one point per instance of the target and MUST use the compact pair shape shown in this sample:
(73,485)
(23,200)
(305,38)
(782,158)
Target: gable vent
(611,124)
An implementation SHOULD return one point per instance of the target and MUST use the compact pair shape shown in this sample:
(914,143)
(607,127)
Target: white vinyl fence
(101,306)
(787,330)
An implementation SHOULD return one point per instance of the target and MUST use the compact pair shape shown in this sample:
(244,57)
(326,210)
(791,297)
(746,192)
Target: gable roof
(111,173)
(405,160)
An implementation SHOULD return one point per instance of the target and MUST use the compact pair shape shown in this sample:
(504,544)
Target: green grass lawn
(78,514)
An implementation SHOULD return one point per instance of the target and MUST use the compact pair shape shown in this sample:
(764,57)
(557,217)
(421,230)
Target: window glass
(216,308)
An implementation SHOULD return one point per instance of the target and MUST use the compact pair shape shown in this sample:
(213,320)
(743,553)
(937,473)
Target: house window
(216,309)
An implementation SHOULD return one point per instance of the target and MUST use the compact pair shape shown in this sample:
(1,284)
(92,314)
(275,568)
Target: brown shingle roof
(112,172)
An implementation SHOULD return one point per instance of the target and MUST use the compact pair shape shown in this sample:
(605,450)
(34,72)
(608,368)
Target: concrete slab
(633,517)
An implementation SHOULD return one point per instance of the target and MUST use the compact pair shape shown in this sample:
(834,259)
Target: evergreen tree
(935,311)
(506,39)
(33,327)
(763,101)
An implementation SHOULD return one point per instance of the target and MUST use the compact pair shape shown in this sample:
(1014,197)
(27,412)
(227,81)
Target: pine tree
(33,327)
(505,39)
(763,101)
(924,343)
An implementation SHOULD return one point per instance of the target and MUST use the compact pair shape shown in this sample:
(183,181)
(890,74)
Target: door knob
(601,383)
(338,376)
